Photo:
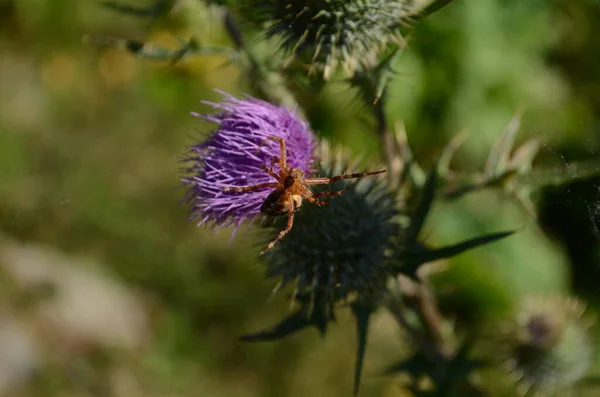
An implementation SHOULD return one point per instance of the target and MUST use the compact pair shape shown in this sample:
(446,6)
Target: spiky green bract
(547,348)
(328,33)
(341,249)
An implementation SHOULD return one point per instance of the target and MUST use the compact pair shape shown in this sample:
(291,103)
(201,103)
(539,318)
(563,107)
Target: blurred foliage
(89,139)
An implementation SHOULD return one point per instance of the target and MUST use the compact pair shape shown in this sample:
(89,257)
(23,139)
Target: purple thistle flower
(233,154)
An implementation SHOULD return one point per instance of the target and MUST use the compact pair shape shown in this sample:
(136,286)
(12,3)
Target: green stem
(269,85)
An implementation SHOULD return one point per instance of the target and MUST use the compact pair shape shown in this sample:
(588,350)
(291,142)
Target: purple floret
(232,156)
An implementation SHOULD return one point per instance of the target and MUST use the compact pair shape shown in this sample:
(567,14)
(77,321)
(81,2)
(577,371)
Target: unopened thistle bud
(339,250)
(546,347)
(327,33)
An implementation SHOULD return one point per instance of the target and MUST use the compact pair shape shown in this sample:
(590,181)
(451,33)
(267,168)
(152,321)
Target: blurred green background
(107,290)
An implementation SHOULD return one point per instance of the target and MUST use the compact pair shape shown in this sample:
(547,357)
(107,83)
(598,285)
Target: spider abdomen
(278,203)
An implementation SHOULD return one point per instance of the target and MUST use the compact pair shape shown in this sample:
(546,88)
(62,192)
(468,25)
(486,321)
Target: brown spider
(290,189)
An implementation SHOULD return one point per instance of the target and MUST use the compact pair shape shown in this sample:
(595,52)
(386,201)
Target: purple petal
(233,154)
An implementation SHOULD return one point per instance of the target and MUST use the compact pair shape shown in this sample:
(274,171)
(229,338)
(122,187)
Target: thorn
(499,156)
(449,151)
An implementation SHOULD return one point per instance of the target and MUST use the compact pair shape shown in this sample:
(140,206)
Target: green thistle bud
(328,33)
(546,347)
(340,250)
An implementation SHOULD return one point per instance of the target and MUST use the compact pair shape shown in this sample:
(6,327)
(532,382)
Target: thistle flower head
(233,155)
(331,32)
(546,347)
(341,248)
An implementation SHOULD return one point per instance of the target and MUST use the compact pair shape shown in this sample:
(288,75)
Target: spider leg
(322,181)
(274,161)
(270,172)
(321,203)
(282,159)
(282,233)
(330,194)
(240,189)
(282,154)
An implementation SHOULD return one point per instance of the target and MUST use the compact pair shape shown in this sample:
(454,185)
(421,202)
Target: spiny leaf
(410,169)
(293,323)
(417,259)
(555,176)
(444,372)
(417,254)
(416,365)
(362,313)
(492,181)
(514,172)
(315,310)
(424,206)
(499,157)
(139,48)
(524,155)
(449,151)
(459,367)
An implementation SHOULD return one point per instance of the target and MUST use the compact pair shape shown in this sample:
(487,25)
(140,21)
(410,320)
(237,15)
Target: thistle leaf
(577,170)
(449,151)
(416,365)
(409,168)
(417,257)
(459,367)
(148,51)
(424,206)
(362,312)
(523,158)
(297,321)
(499,157)
(445,372)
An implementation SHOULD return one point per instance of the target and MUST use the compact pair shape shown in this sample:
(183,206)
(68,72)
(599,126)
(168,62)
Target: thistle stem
(270,86)
(432,319)
(397,310)
(387,143)
(422,300)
